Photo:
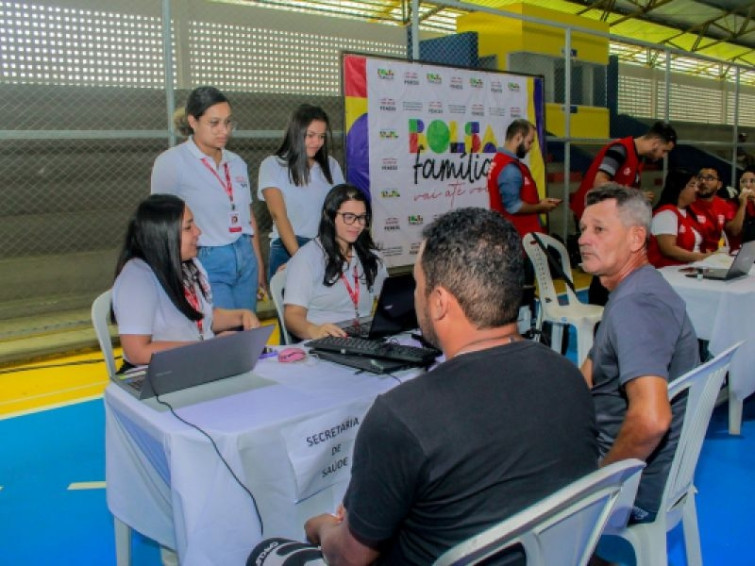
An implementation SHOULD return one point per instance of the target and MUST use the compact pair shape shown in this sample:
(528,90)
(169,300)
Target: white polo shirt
(186,172)
(304,286)
(303,204)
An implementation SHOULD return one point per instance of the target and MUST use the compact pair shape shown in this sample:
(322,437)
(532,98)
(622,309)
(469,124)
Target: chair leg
(122,542)
(584,340)
(557,336)
(735,413)
(691,532)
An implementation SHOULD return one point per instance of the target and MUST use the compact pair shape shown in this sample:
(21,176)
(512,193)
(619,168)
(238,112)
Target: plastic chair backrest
(277,284)
(563,528)
(101,322)
(539,259)
(703,385)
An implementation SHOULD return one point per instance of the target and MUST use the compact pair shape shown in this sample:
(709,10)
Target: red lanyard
(353,293)
(193,297)
(227,186)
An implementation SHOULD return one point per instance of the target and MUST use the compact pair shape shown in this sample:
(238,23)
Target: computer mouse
(288,355)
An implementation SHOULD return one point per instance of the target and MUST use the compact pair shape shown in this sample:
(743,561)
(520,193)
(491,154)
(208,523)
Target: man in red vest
(622,161)
(714,214)
(512,189)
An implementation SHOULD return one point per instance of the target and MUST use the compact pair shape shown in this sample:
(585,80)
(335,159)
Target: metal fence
(88,90)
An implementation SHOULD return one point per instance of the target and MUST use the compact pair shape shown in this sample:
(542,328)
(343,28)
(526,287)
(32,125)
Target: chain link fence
(87,99)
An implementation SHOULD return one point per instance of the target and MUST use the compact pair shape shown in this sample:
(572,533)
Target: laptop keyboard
(375,349)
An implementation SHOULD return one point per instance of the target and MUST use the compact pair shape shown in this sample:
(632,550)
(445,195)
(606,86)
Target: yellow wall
(499,35)
(586,122)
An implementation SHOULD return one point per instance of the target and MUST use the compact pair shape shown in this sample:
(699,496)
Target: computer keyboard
(375,349)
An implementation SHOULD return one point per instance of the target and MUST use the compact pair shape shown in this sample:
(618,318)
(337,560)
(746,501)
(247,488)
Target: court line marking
(82,485)
(51,406)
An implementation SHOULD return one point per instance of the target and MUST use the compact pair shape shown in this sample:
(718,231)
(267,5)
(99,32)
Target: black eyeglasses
(349,218)
(707,178)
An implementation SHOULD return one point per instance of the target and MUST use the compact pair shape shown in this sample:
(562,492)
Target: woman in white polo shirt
(161,296)
(294,182)
(214,182)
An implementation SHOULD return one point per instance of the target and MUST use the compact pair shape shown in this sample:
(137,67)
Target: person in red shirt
(715,216)
(511,188)
(622,161)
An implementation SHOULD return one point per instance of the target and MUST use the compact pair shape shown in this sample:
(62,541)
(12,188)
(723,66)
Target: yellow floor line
(82,485)
(60,382)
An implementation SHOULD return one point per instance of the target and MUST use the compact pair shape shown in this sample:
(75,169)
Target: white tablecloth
(723,312)
(165,480)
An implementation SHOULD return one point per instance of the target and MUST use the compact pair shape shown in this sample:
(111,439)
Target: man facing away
(715,215)
(499,425)
(622,161)
(644,341)
(512,190)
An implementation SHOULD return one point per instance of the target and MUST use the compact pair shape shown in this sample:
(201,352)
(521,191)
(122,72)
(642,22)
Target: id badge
(234,222)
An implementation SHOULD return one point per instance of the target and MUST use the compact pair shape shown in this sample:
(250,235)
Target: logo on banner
(412,106)
(389,164)
(478,110)
(496,86)
(457,109)
(435,107)
(434,78)
(475,82)
(390,193)
(386,134)
(513,87)
(515,112)
(457,83)
(444,137)
(391,224)
(411,78)
(496,111)
(385,74)
(387,105)
(415,219)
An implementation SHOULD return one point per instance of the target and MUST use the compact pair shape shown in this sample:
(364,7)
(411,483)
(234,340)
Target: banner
(420,139)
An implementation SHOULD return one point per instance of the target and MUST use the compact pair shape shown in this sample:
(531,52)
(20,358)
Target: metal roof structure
(720,29)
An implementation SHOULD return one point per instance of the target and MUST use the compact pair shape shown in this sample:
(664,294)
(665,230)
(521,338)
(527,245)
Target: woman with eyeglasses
(214,182)
(336,276)
(293,183)
(676,236)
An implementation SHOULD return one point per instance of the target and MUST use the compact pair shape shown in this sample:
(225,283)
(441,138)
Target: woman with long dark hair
(295,180)
(161,296)
(214,182)
(676,236)
(338,275)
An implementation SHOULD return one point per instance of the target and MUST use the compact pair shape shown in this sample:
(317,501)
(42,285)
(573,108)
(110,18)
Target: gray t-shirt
(645,331)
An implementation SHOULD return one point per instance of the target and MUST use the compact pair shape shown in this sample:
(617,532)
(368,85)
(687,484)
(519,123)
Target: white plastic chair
(582,316)
(561,529)
(277,284)
(101,323)
(648,540)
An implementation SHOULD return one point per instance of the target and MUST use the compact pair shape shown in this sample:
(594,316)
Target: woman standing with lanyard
(294,182)
(214,182)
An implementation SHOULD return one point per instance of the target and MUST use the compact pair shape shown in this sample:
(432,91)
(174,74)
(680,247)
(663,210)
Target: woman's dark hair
(154,236)
(676,180)
(200,99)
(293,150)
(364,246)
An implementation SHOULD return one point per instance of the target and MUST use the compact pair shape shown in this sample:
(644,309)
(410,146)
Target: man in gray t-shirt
(645,340)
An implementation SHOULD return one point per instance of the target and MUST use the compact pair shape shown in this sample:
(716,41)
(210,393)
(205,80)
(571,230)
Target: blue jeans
(279,255)
(232,270)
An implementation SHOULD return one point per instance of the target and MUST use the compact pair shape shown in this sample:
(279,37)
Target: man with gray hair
(644,341)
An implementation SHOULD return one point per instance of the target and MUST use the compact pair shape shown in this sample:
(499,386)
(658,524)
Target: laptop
(740,267)
(394,312)
(196,364)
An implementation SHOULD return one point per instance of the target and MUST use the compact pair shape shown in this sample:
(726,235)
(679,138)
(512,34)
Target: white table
(165,480)
(723,312)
